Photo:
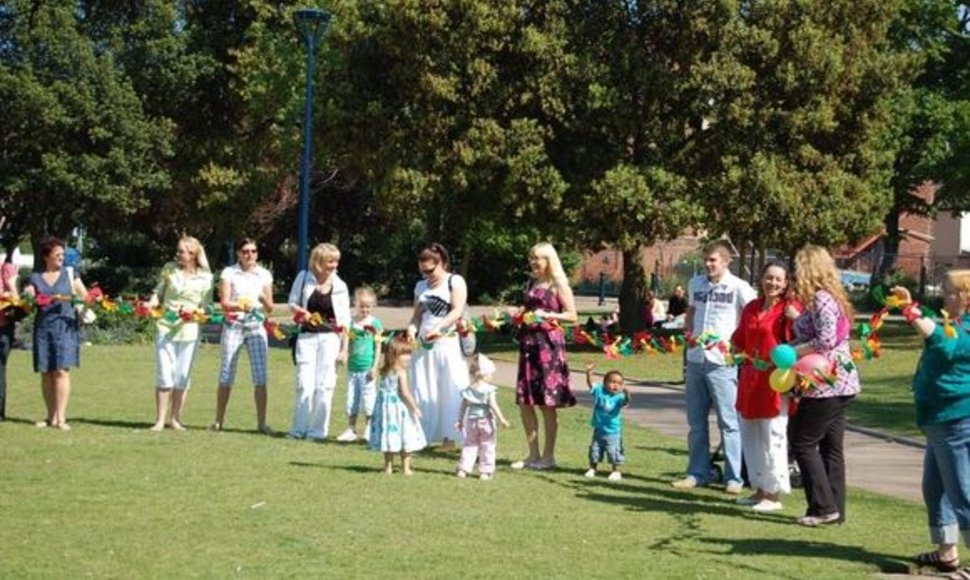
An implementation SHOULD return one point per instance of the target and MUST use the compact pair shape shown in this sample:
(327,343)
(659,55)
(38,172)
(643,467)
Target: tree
(623,144)
(799,141)
(933,119)
(76,147)
(436,108)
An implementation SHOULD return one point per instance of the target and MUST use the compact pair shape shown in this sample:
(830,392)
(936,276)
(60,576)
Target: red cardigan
(758,333)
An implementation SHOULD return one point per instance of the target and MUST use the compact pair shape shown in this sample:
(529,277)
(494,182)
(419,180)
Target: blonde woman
(438,370)
(543,378)
(941,393)
(246,291)
(319,347)
(817,429)
(185,286)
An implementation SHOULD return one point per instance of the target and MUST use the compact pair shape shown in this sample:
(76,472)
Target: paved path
(874,462)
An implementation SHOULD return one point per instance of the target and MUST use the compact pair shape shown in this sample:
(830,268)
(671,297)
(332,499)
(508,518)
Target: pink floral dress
(543,373)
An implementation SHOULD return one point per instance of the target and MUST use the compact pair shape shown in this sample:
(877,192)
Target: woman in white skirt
(438,369)
(185,286)
(763,411)
(320,299)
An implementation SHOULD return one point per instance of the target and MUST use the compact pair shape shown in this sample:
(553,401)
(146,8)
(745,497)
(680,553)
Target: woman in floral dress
(543,379)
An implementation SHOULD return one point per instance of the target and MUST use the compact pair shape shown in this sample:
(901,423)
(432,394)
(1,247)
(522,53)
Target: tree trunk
(633,293)
(890,247)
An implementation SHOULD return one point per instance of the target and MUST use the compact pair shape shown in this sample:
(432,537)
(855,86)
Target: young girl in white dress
(396,423)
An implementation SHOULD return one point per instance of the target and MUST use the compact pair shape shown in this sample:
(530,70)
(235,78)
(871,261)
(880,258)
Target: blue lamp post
(312,24)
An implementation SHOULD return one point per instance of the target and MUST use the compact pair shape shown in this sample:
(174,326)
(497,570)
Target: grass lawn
(886,402)
(111,499)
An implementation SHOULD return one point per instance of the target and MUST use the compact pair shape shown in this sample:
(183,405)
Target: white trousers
(764,443)
(437,377)
(174,363)
(316,377)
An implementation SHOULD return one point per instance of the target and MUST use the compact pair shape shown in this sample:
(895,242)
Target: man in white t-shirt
(715,301)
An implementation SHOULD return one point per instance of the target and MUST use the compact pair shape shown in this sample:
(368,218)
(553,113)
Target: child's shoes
(348,436)
(485,476)
(590,472)
(461,473)
(615,476)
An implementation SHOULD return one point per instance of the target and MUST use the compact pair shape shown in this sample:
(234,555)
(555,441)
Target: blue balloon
(784,356)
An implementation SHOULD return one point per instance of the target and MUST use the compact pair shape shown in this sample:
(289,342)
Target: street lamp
(311,23)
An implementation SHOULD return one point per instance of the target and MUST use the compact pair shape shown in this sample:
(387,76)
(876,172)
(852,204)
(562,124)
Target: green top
(176,290)
(363,348)
(941,386)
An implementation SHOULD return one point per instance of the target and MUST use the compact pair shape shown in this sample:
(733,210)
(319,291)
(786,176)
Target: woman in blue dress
(56,338)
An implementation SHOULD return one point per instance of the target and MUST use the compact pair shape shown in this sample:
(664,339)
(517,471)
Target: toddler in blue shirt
(609,398)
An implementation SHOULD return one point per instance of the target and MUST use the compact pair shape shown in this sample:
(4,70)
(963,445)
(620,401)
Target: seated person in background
(654,313)
(676,308)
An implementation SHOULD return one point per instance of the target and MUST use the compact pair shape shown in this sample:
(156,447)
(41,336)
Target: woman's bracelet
(912,312)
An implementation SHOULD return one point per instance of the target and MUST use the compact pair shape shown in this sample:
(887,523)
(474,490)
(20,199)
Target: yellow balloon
(782,380)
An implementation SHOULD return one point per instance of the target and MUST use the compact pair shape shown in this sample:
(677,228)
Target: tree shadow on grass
(688,509)
(886,563)
(660,499)
(678,451)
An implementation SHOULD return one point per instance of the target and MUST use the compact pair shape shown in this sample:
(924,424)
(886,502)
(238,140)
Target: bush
(118,328)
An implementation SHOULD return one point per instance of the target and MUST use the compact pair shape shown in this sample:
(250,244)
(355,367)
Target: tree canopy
(485,125)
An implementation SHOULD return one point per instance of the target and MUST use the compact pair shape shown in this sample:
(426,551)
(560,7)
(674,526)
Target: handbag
(467,340)
(296,336)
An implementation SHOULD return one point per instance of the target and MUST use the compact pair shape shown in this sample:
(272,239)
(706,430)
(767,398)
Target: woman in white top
(438,370)
(246,291)
(184,287)
(322,342)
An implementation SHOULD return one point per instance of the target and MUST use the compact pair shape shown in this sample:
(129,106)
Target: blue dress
(57,342)
(392,428)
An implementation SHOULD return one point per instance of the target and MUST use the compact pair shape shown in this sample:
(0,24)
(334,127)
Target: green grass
(111,499)
(886,402)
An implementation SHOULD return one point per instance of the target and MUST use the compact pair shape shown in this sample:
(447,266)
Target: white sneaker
(590,472)
(462,474)
(615,476)
(766,505)
(485,476)
(348,436)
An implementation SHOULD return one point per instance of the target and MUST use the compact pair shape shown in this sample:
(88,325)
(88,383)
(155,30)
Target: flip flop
(932,559)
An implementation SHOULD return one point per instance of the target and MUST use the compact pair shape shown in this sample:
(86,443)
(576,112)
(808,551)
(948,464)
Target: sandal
(961,574)
(932,559)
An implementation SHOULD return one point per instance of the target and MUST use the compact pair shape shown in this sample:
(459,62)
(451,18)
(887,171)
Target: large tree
(799,134)
(932,119)
(76,145)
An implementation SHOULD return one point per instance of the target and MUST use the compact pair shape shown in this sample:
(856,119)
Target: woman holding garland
(543,377)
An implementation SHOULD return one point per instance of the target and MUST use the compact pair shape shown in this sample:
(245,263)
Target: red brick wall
(610,262)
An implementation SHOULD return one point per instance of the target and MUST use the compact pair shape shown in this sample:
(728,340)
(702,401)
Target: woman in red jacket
(763,411)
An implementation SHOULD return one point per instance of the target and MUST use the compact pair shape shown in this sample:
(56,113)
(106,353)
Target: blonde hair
(720,246)
(195,246)
(320,254)
(393,350)
(364,292)
(814,271)
(555,270)
(958,282)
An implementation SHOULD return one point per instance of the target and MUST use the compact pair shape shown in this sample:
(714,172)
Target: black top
(677,306)
(322,304)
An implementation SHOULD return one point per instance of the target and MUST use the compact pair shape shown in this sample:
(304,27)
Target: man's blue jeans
(710,385)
